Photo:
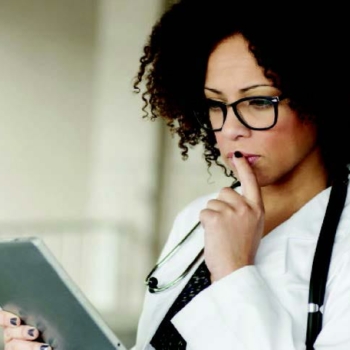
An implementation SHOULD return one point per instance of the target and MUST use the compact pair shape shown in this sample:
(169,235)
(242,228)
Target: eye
(260,103)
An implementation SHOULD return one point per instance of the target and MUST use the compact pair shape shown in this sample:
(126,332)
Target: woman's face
(232,74)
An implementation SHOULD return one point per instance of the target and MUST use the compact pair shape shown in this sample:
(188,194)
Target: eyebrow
(220,93)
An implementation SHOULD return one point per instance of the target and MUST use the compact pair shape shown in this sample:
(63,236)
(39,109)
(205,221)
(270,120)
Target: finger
(17,344)
(8,319)
(250,187)
(217,204)
(20,332)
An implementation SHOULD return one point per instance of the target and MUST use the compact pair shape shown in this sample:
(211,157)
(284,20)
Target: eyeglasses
(254,112)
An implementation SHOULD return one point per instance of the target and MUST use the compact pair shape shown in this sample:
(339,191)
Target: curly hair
(300,51)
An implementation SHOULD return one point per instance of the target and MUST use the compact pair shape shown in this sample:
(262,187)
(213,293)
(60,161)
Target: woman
(262,89)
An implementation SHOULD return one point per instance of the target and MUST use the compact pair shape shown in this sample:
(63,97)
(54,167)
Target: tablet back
(35,286)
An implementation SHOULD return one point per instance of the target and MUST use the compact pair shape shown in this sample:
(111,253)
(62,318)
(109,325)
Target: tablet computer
(34,286)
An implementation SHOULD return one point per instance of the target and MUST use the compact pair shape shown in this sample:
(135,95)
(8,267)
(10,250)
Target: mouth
(251,158)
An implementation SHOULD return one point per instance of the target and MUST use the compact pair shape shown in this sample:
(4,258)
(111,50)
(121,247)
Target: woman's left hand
(18,336)
(233,224)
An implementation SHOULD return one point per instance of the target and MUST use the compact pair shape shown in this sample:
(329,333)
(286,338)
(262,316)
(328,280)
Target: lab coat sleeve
(238,312)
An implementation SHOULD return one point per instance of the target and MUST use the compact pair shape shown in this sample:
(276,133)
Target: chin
(264,179)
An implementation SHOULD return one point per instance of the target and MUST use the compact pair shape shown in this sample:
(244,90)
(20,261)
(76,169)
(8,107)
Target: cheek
(291,140)
(219,141)
(300,133)
(224,145)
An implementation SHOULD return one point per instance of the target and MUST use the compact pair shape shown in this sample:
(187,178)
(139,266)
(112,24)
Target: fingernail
(13,321)
(238,154)
(31,332)
(44,347)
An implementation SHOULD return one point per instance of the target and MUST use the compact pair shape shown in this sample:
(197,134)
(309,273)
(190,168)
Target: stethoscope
(320,266)
(152,282)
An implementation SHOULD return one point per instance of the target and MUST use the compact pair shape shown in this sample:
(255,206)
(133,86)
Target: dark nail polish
(238,154)
(13,321)
(44,347)
(31,332)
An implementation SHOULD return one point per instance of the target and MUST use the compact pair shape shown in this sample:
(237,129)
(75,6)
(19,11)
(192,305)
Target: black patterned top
(167,337)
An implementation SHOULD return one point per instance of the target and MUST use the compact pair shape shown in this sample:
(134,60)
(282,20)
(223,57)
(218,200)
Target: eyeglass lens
(256,113)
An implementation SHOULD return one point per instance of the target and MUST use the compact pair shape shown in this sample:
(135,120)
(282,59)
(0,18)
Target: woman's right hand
(18,336)
(233,224)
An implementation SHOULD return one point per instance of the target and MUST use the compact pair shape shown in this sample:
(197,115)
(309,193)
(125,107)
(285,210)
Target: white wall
(46,84)
(121,177)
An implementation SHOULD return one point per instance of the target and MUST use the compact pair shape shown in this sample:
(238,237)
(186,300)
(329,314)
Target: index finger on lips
(250,187)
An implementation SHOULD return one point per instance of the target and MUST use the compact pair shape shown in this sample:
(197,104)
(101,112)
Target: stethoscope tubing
(322,258)
(152,282)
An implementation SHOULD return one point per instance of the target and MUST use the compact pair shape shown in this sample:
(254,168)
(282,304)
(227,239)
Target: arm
(240,312)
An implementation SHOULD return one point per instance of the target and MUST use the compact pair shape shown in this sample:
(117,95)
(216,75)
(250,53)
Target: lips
(251,158)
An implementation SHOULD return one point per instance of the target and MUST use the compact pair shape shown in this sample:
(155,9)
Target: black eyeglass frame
(224,107)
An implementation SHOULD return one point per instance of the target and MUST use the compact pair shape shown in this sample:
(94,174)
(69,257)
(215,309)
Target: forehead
(232,64)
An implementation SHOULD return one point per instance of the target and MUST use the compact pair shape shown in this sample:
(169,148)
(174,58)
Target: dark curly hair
(303,50)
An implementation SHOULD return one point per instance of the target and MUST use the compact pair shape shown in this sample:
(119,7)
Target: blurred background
(79,166)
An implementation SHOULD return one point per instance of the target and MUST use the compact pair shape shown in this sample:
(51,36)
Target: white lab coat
(260,307)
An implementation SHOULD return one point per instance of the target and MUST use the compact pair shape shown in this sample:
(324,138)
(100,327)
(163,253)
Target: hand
(233,224)
(17,336)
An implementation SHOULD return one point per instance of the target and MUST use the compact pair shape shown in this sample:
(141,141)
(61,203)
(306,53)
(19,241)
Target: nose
(233,128)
